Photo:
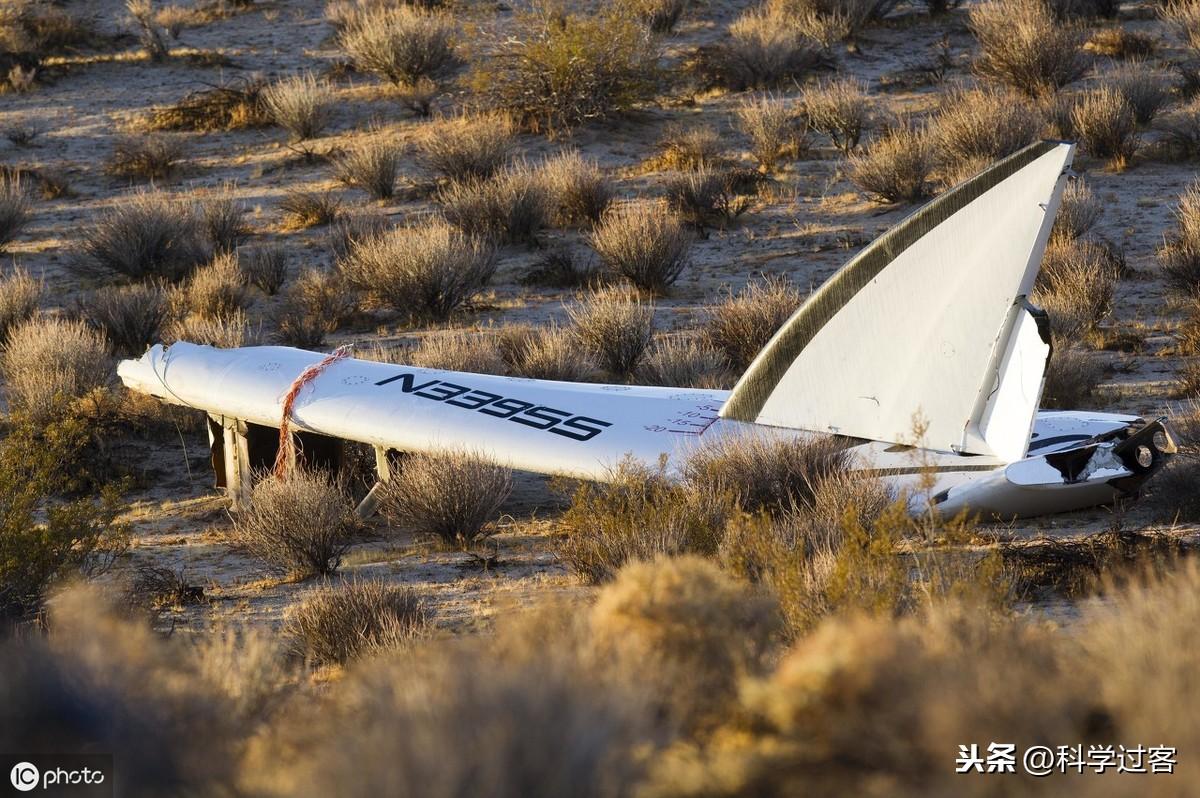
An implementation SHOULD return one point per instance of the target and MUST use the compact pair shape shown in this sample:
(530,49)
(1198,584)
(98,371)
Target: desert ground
(96,116)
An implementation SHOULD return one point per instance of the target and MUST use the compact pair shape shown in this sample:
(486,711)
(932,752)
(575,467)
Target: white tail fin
(927,320)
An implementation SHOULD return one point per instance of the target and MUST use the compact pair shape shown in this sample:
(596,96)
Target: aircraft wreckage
(930,320)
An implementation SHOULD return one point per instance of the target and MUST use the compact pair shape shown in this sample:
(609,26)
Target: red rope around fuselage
(286,444)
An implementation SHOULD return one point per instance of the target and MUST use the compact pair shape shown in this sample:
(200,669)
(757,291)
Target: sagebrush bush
(578,190)
(400,44)
(1181,129)
(554,71)
(472,351)
(765,48)
(1076,286)
(740,326)
(304,209)
(418,97)
(660,16)
(1145,89)
(349,230)
(224,332)
(334,625)
(224,222)
(709,199)
(615,326)
(777,131)
(679,362)
(841,109)
(15,208)
(1025,47)
(425,270)
(692,146)
(1180,253)
(1106,125)
(896,167)
(148,234)
(301,104)
(511,206)
(265,267)
(300,524)
(1123,43)
(467,147)
(453,497)
(1184,17)
(371,167)
(145,157)
(549,352)
(316,303)
(131,316)
(20,296)
(1071,377)
(217,289)
(975,128)
(1078,211)
(645,244)
(48,362)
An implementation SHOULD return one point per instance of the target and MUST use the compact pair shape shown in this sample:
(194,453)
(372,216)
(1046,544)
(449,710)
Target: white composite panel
(1009,412)
(921,337)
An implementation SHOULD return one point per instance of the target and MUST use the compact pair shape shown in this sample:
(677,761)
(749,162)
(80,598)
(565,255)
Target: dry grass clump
(1077,213)
(371,167)
(1071,378)
(334,625)
(1181,130)
(1076,286)
(20,296)
(145,157)
(977,127)
(265,267)
(1106,125)
(148,234)
(639,514)
(767,47)
(471,351)
(776,130)
(511,206)
(223,332)
(1180,253)
(679,362)
(417,97)
(468,147)
(401,44)
(615,326)
(1145,89)
(425,270)
(579,191)
(709,199)
(644,243)
(841,109)
(453,497)
(217,289)
(300,104)
(554,71)
(740,326)
(48,362)
(15,208)
(150,33)
(660,16)
(304,209)
(131,316)
(237,105)
(224,222)
(314,305)
(1122,43)
(896,167)
(548,353)
(301,524)
(690,147)
(1025,47)
(1184,17)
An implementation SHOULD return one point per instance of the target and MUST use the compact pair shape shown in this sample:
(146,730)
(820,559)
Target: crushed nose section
(1145,452)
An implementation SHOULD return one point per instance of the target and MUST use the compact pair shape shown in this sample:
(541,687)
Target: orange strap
(286,444)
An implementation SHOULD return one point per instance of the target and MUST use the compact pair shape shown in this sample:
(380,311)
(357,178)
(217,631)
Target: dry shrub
(401,44)
(615,326)
(148,234)
(300,104)
(679,362)
(1071,378)
(1076,286)
(554,71)
(304,209)
(334,625)
(425,270)
(49,362)
(775,129)
(510,206)
(1181,130)
(218,289)
(1122,43)
(223,332)
(547,353)
(1145,89)
(315,305)
(131,316)
(470,351)
(236,105)
(579,191)
(1025,47)
(704,198)
(700,632)
(145,158)
(371,167)
(644,243)
(896,167)
(1077,213)
(468,147)
(453,496)
(15,208)
(150,33)
(559,268)
(639,514)
(689,147)
(265,267)
(981,126)
(741,325)
(301,524)
(767,47)
(1184,17)
(660,16)
(1106,125)
(351,229)
(224,223)
(20,296)
(841,109)
(417,97)
(1180,253)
